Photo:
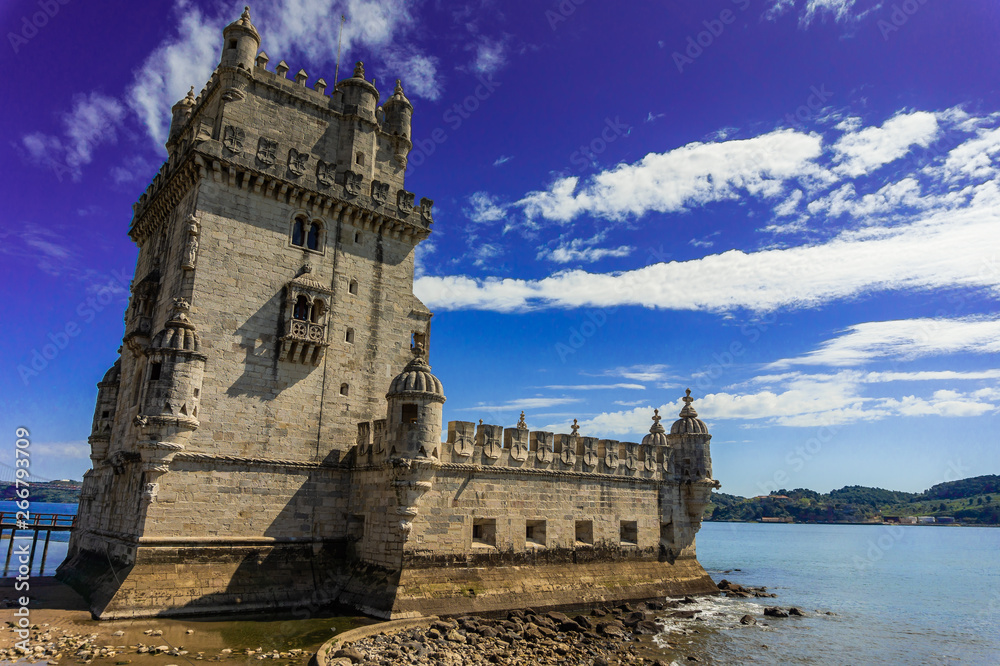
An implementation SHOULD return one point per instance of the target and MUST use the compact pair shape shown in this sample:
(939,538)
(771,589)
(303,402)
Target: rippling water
(899,594)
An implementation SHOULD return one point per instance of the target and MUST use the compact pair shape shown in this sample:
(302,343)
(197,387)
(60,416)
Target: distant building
(925,520)
(944,520)
(776,519)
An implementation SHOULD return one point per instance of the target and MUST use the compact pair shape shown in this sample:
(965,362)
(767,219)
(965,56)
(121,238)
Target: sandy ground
(60,617)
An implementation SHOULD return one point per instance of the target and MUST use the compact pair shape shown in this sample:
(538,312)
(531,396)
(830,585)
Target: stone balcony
(303,342)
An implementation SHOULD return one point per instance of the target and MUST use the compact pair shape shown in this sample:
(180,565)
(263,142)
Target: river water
(899,594)
(894,594)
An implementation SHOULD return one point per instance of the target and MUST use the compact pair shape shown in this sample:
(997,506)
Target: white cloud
(929,375)
(521,403)
(640,373)
(950,249)
(483,253)
(503,159)
(975,158)
(75,450)
(579,250)
(484,208)
(596,387)
(289,31)
(490,56)
(865,150)
(903,339)
(89,123)
(840,11)
(653,117)
(692,175)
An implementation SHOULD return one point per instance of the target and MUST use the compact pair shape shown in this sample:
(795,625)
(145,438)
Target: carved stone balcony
(137,331)
(303,342)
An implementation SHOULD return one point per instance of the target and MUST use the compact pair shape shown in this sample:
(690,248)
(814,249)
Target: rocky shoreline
(601,637)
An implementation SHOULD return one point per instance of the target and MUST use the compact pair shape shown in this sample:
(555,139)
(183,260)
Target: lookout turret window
(410,413)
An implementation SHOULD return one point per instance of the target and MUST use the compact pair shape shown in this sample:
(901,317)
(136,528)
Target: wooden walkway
(36,523)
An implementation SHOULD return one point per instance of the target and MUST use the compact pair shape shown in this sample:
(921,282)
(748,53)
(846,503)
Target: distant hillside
(972,501)
(58,492)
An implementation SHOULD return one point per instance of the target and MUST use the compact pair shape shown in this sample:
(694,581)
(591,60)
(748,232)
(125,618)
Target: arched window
(301,310)
(318,310)
(344,389)
(298,233)
(352,287)
(312,240)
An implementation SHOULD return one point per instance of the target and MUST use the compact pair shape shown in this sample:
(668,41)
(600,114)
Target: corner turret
(415,400)
(359,96)
(104,413)
(240,43)
(180,114)
(398,115)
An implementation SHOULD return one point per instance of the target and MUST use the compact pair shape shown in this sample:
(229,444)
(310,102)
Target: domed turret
(360,96)
(175,370)
(240,43)
(657,435)
(688,423)
(398,114)
(413,420)
(104,413)
(180,114)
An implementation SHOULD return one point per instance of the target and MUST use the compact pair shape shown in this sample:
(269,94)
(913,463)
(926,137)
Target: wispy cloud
(840,11)
(596,387)
(503,159)
(903,339)
(580,250)
(484,208)
(91,122)
(862,151)
(521,403)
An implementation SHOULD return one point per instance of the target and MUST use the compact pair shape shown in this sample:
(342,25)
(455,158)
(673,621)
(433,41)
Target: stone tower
(271,435)
(272,304)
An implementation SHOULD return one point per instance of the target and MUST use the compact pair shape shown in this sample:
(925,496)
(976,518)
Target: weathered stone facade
(245,452)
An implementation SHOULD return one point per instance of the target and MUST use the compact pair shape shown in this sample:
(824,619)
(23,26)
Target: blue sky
(790,206)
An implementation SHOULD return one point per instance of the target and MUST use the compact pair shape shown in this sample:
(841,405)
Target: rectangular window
(410,413)
(154,371)
(666,535)
(484,532)
(629,533)
(534,533)
(585,533)
(355,527)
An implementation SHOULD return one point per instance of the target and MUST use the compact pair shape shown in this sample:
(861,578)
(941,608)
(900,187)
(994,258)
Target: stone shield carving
(353,182)
(233,139)
(425,210)
(649,458)
(611,454)
(267,151)
(590,451)
(364,440)
(326,173)
(463,445)
(297,161)
(404,201)
(543,447)
(492,437)
(568,453)
(631,456)
(519,445)
(380,192)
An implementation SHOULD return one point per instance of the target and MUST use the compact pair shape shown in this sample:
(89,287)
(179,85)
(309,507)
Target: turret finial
(359,70)
(190,95)
(574,427)
(656,427)
(688,410)
(521,425)
(245,16)
(399,87)
(418,350)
